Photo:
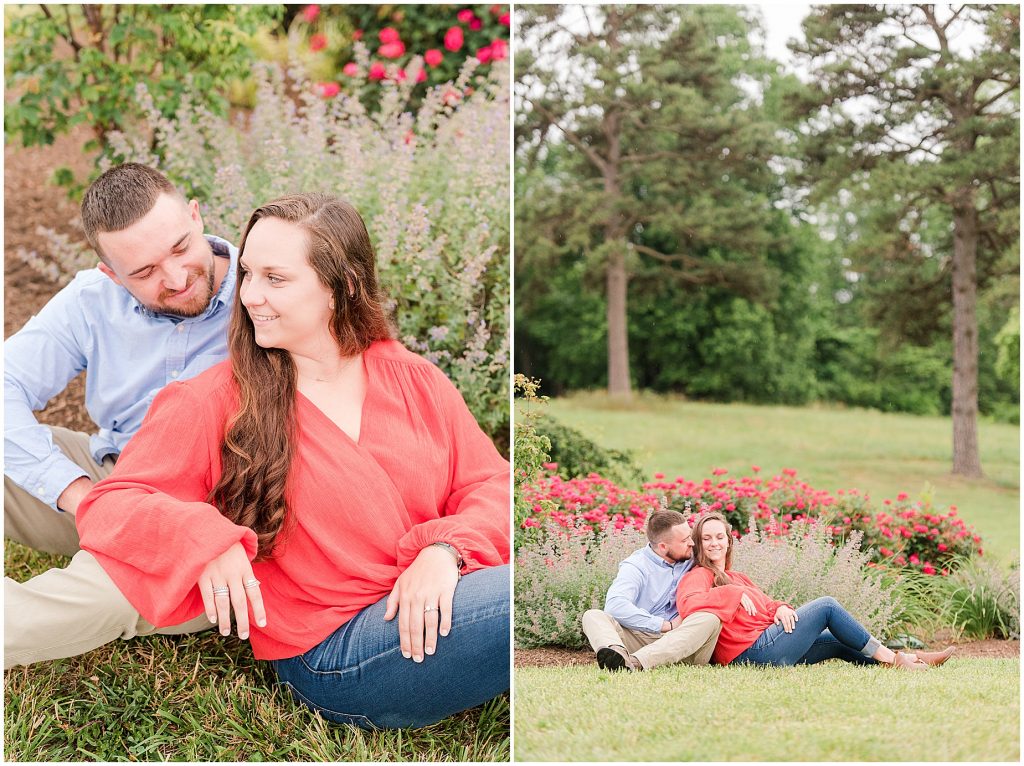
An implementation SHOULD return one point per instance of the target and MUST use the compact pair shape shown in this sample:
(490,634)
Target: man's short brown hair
(660,522)
(120,197)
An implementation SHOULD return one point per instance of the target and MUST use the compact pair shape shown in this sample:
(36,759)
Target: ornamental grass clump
(805,564)
(981,600)
(560,575)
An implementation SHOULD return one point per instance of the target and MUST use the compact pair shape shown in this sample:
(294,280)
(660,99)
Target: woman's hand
(422,599)
(786,617)
(748,605)
(233,571)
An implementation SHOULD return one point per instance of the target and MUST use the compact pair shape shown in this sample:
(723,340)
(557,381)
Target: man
(640,628)
(154,311)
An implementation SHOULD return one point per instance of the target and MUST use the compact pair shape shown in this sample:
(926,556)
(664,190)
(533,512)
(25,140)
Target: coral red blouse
(421,472)
(696,593)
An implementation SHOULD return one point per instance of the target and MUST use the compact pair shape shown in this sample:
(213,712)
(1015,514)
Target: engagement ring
(429,609)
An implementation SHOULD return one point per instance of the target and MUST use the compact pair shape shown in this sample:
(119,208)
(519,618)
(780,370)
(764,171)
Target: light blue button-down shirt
(128,352)
(643,595)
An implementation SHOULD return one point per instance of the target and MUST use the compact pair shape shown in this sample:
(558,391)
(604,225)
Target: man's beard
(197,304)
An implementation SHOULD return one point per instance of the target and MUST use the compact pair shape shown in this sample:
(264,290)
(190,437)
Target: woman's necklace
(336,375)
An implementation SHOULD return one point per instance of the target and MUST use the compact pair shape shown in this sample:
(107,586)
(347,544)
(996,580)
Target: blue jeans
(358,675)
(824,631)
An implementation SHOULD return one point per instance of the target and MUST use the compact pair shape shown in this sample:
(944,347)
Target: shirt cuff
(52,478)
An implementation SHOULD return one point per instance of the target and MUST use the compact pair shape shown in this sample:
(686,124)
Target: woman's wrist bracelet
(459,563)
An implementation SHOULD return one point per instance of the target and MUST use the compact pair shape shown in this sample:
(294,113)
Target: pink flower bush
(377,71)
(310,12)
(328,89)
(433,57)
(904,534)
(453,39)
(317,42)
(392,50)
(389,35)
(465,15)
(351,69)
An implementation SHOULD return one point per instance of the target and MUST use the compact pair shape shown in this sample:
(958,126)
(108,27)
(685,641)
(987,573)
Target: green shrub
(561,574)
(980,600)
(576,455)
(805,565)
(117,47)
(531,452)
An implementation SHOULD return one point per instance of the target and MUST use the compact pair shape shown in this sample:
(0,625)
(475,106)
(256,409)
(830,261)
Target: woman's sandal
(901,660)
(934,659)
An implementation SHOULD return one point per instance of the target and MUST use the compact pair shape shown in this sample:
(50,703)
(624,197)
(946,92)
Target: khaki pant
(693,642)
(70,611)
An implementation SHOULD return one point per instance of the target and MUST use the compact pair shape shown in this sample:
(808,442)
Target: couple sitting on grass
(267,455)
(678,599)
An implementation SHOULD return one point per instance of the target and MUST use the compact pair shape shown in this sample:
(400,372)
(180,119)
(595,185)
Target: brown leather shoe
(934,659)
(903,661)
(617,658)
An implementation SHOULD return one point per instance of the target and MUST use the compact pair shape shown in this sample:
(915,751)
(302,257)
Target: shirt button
(39,490)
(181,328)
(174,373)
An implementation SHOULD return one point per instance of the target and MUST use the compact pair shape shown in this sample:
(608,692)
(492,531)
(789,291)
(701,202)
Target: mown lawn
(831,448)
(967,710)
(201,698)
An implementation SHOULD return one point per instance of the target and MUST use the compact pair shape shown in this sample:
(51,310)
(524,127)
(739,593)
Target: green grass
(967,710)
(831,448)
(201,698)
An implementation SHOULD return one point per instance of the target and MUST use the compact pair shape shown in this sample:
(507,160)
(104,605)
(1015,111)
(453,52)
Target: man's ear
(110,273)
(194,214)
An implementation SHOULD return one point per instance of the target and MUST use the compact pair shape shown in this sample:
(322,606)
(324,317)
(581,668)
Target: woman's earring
(331,304)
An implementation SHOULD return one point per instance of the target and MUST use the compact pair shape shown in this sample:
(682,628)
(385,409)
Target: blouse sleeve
(148,524)
(475,518)
(770,604)
(695,594)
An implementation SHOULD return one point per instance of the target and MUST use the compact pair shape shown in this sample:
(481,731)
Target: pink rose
(475,23)
(400,75)
(421,75)
(351,69)
(357,35)
(377,71)
(328,89)
(389,35)
(392,50)
(504,19)
(310,12)
(465,15)
(317,42)
(484,54)
(433,57)
(499,50)
(453,39)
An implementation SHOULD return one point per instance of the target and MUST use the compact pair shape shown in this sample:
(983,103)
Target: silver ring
(253,583)
(221,590)
(429,609)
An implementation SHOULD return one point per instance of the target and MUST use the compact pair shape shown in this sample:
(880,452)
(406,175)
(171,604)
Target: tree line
(693,216)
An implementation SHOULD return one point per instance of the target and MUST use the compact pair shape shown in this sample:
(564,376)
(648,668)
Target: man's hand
(786,617)
(672,624)
(73,494)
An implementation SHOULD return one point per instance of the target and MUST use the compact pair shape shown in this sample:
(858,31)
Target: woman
(758,630)
(320,483)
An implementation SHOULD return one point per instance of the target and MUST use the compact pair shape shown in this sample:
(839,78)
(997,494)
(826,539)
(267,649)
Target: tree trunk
(966,459)
(618,337)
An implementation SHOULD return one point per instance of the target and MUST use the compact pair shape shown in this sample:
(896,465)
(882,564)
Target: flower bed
(902,534)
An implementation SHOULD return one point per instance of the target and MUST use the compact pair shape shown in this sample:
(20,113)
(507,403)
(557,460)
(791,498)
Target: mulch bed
(558,657)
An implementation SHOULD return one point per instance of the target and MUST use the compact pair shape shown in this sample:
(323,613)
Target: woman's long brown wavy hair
(259,442)
(700,556)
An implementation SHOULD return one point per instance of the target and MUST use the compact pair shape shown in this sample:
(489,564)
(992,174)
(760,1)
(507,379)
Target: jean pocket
(335,716)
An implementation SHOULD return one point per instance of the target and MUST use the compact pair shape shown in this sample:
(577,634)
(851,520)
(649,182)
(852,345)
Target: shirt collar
(223,249)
